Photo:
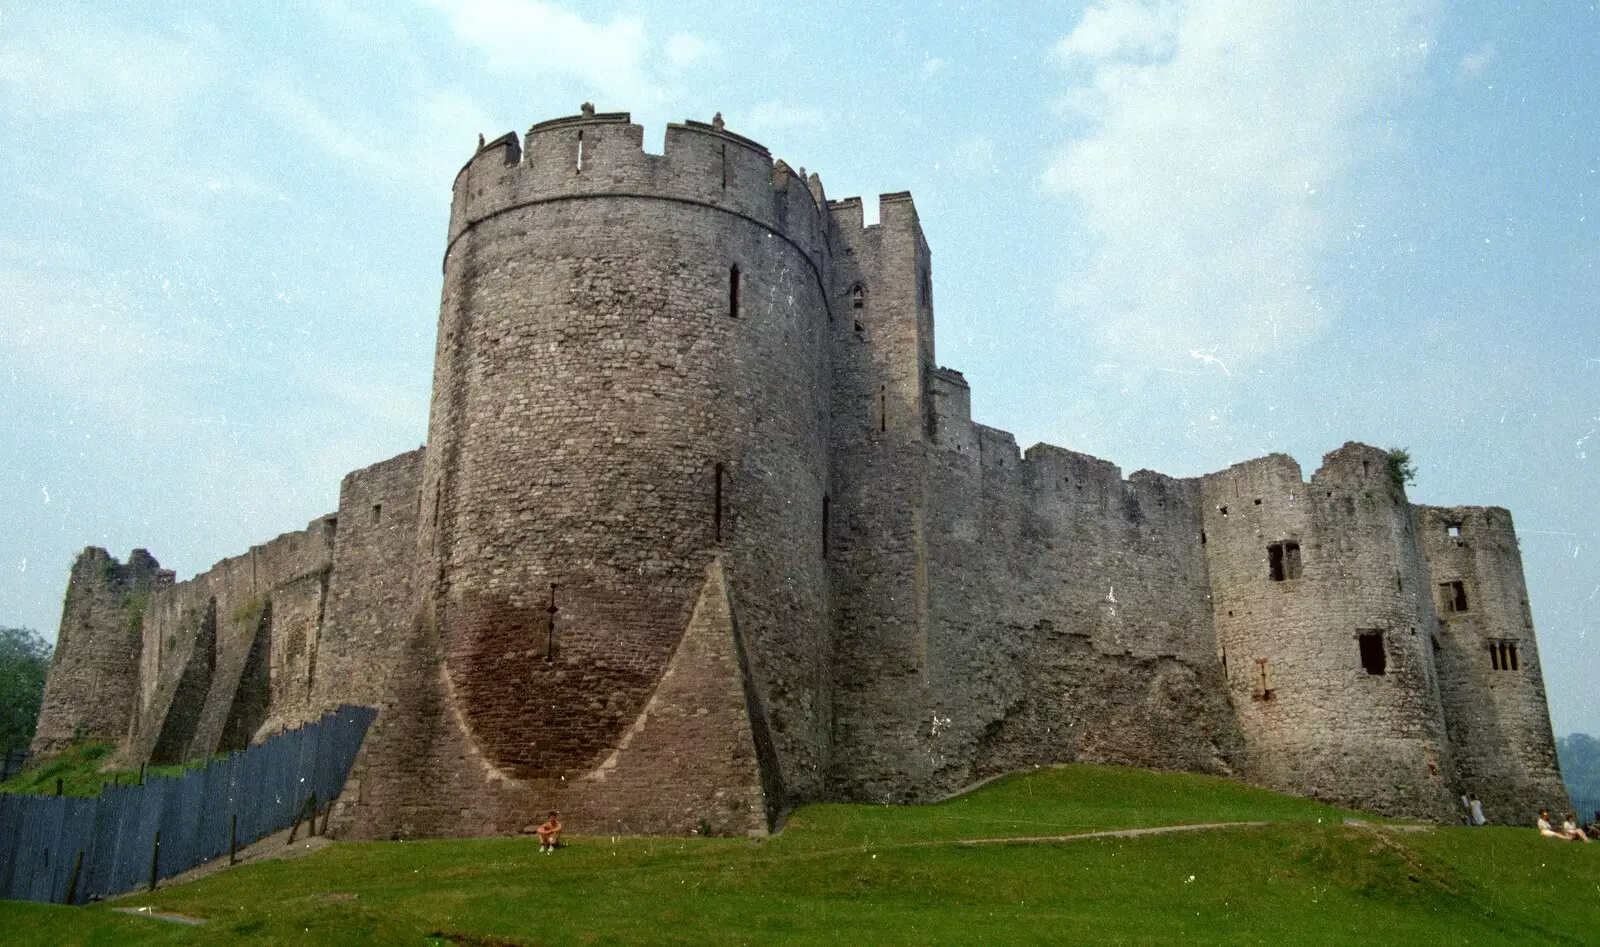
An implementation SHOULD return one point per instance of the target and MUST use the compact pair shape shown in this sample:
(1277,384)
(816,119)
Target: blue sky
(1172,234)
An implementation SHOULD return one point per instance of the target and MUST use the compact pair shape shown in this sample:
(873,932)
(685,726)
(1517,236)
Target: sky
(1174,234)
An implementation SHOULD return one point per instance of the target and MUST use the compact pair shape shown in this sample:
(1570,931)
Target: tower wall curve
(630,380)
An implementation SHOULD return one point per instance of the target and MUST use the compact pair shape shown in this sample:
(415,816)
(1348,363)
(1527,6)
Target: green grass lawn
(845,874)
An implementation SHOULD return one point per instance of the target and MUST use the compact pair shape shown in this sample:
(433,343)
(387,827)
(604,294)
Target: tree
(24,665)
(1580,764)
(1402,469)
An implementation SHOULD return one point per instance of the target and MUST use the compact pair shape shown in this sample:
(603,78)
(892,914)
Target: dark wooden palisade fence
(70,850)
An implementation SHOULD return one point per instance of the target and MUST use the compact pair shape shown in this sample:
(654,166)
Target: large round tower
(628,442)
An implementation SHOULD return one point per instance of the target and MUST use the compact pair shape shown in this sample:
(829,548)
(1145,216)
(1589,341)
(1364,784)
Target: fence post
(58,785)
(233,839)
(155,857)
(72,885)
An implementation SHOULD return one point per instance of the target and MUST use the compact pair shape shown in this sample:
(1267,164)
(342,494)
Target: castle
(702,531)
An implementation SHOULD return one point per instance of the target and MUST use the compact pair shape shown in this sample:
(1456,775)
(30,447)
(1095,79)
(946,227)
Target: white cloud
(1474,63)
(685,49)
(1127,28)
(1213,129)
(93,67)
(535,40)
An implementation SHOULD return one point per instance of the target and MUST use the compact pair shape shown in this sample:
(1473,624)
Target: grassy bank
(78,767)
(877,875)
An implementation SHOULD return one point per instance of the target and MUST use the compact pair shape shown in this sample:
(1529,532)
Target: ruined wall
(882,363)
(602,386)
(208,664)
(1071,615)
(94,676)
(1489,671)
(371,596)
(1315,719)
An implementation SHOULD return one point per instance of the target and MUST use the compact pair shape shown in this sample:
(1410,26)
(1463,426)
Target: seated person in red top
(549,833)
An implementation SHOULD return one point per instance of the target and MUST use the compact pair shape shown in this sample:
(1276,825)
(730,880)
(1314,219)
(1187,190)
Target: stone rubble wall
(1070,612)
(1498,721)
(1323,725)
(92,690)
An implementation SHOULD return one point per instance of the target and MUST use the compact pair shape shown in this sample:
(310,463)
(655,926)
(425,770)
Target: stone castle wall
(701,532)
(1070,612)
(94,675)
(1488,659)
(231,651)
(1322,717)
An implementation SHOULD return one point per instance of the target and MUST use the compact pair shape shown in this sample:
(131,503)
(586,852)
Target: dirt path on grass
(1112,833)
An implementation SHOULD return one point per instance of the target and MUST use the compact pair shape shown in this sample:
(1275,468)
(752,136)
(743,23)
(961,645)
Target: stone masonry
(703,531)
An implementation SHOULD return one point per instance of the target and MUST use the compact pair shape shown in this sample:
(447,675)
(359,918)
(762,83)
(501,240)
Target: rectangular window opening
(1452,597)
(1453,530)
(733,292)
(1264,690)
(1283,561)
(1373,658)
(377,512)
(580,152)
(883,408)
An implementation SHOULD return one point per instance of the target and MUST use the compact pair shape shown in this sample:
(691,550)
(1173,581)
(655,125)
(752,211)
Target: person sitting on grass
(1569,828)
(549,833)
(1544,826)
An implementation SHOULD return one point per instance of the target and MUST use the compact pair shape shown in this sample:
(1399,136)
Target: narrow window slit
(824,526)
(716,491)
(580,152)
(733,292)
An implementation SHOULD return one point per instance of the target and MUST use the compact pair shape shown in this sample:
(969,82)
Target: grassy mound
(79,767)
(900,875)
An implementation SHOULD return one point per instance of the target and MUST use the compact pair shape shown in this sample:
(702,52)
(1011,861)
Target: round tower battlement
(598,155)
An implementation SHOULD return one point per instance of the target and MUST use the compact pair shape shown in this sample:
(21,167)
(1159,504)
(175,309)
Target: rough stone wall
(1071,619)
(600,386)
(1315,721)
(94,676)
(205,662)
(882,360)
(370,596)
(1495,709)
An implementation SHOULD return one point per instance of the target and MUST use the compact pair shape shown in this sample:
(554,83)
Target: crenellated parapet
(600,155)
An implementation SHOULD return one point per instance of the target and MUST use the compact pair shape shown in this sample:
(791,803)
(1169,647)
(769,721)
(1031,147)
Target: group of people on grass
(1569,831)
(1569,827)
